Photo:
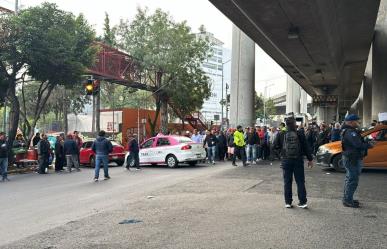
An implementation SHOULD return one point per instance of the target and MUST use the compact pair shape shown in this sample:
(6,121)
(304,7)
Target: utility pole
(16,6)
(223,89)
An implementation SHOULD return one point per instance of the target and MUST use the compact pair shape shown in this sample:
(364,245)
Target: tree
(259,107)
(171,57)
(49,45)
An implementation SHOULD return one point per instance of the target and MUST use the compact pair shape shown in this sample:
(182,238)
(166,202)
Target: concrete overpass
(322,44)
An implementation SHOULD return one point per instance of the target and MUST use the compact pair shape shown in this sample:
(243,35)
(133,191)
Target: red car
(87,155)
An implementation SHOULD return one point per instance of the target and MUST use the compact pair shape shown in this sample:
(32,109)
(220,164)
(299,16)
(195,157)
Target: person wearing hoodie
(70,149)
(252,140)
(102,147)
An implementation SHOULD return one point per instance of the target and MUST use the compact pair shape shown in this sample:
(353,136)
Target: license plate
(115,157)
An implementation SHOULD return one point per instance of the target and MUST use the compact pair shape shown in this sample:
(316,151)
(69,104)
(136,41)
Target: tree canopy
(171,49)
(259,107)
(46,44)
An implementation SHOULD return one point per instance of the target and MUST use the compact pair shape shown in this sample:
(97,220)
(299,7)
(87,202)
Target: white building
(218,65)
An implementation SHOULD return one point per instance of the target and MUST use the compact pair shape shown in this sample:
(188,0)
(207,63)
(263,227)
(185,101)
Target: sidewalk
(237,208)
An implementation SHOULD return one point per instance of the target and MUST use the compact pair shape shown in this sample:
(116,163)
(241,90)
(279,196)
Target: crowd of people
(258,141)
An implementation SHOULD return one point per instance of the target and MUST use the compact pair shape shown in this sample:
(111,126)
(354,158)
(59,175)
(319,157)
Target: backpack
(291,145)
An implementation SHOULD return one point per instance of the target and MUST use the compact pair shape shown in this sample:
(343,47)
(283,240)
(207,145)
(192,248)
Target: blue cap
(351,117)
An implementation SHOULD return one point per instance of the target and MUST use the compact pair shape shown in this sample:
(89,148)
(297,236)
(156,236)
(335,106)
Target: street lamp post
(222,102)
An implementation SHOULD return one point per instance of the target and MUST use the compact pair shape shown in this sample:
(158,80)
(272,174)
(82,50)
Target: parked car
(329,155)
(87,155)
(170,151)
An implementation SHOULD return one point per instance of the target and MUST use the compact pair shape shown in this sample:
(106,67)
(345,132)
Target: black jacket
(59,151)
(133,146)
(222,141)
(252,138)
(43,147)
(353,143)
(102,146)
(210,140)
(305,151)
(70,147)
(3,149)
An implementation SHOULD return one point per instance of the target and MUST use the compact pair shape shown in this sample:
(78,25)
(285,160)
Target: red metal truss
(117,67)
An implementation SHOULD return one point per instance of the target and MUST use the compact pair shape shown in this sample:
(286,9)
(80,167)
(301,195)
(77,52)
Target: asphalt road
(191,207)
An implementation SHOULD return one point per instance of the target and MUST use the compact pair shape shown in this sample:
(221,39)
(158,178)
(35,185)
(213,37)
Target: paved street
(193,207)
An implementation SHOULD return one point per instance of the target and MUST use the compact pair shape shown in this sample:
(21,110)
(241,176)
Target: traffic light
(89,87)
(92,87)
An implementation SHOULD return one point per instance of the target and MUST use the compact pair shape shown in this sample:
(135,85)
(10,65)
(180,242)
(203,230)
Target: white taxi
(169,150)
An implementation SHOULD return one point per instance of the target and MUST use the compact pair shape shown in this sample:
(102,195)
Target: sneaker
(78,170)
(234,164)
(288,206)
(254,162)
(107,178)
(213,162)
(5,179)
(302,205)
(138,169)
(356,202)
(95,180)
(351,205)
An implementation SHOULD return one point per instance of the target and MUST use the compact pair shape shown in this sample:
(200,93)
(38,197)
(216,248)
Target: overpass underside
(322,44)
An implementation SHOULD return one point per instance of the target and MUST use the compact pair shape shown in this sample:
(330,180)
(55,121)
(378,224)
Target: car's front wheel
(171,161)
(338,163)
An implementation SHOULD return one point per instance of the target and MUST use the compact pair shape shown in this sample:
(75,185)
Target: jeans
(241,153)
(251,151)
(294,167)
(4,167)
(133,156)
(101,159)
(72,160)
(353,169)
(211,153)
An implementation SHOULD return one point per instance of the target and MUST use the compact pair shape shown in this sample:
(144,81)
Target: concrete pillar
(293,95)
(379,63)
(325,113)
(367,91)
(303,102)
(242,93)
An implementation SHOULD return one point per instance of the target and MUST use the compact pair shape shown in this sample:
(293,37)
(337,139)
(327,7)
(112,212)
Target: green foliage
(57,45)
(259,107)
(108,33)
(162,45)
(125,97)
(49,45)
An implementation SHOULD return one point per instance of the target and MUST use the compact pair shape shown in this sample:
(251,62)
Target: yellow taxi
(329,155)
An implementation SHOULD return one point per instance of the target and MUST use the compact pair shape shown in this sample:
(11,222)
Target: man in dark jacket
(102,147)
(43,154)
(59,154)
(222,145)
(36,139)
(354,150)
(293,147)
(71,152)
(3,157)
(134,150)
(210,143)
(252,142)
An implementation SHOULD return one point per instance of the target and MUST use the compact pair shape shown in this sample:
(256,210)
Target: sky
(195,12)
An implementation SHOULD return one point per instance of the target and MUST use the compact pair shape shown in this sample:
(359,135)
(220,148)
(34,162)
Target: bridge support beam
(379,64)
(367,92)
(242,93)
(325,114)
(293,95)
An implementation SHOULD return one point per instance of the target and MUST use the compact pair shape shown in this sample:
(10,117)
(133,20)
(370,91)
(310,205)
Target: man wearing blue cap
(354,150)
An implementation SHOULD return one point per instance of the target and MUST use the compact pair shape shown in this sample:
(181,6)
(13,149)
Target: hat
(351,117)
